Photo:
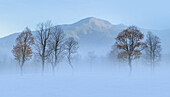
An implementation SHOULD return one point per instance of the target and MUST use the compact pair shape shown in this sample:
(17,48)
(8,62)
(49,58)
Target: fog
(93,76)
(95,73)
(90,64)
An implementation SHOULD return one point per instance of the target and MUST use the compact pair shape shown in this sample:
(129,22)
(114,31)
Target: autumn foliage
(129,44)
(22,50)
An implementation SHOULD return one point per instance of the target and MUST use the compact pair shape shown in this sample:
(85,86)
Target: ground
(86,85)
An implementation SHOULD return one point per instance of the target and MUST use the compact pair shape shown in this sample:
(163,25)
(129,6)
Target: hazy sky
(15,15)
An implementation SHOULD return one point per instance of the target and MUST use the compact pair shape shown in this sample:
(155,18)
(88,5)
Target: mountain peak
(95,21)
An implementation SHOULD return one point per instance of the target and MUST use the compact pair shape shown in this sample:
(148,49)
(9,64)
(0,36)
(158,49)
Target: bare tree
(91,56)
(153,50)
(57,46)
(71,46)
(129,44)
(22,50)
(42,41)
(113,53)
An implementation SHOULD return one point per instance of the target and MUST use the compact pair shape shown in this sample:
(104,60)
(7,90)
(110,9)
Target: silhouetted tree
(153,50)
(130,45)
(91,56)
(113,53)
(71,46)
(57,46)
(42,41)
(22,50)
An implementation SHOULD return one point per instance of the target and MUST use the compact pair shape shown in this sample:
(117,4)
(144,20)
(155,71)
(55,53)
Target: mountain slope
(93,33)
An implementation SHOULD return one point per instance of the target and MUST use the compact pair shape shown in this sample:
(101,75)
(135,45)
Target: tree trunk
(55,62)
(130,63)
(21,67)
(69,59)
(71,64)
(53,68)
(43,62)
(152,67)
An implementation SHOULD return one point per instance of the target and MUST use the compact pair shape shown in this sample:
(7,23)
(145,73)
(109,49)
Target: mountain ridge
(89,20)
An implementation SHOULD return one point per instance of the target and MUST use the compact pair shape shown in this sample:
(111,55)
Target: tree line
(50,44)
(130,45)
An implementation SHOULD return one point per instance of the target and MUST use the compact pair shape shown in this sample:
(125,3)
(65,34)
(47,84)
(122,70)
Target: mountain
(93,34)
(92,25)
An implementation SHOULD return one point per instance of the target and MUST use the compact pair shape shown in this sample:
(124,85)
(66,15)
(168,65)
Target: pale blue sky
(15,15)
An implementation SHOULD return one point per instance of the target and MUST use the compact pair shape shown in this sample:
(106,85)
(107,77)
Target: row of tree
(129,46)
(50,45)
